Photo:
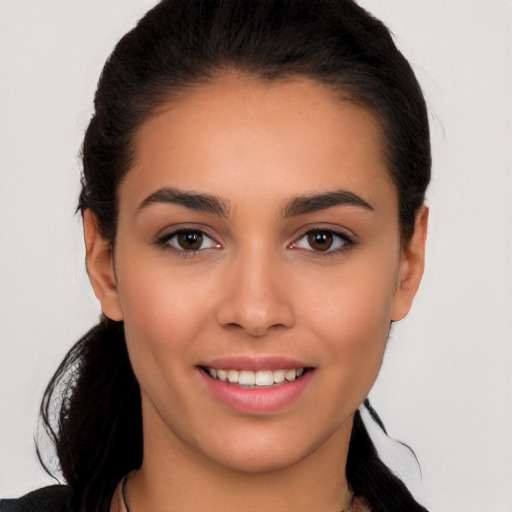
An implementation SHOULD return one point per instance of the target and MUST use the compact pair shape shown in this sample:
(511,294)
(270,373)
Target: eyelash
(165,241)
(338,238)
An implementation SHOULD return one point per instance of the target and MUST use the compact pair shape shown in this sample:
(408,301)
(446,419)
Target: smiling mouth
(256,379)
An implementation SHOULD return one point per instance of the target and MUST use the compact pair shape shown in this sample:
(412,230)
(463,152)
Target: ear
(100,268)
(412,264)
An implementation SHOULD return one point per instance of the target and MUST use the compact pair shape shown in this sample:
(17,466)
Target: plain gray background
(445,388)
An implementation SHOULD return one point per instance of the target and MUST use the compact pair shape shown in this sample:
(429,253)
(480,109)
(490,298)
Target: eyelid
(163,238)
(348,240)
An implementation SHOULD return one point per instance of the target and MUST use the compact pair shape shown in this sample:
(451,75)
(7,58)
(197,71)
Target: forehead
(239,136)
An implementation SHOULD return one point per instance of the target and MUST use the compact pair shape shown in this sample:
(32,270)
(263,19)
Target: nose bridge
(255,297)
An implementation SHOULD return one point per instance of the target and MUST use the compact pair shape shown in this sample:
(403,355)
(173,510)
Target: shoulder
(55,498)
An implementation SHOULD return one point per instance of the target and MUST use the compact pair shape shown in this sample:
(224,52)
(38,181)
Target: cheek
(163,313)
(356,333)
(351,318)
(353,302)
(355,338)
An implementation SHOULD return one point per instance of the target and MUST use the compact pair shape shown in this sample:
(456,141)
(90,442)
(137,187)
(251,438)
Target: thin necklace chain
(125,501)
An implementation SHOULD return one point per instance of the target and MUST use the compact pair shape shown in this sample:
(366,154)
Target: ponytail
(370,478)
(98,432)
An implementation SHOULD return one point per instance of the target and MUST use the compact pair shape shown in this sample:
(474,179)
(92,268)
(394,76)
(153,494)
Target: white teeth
(247,378)
(263,378)
(233,376)
(279,376)
(291,375)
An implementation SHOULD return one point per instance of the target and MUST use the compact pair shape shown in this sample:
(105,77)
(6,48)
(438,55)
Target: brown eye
(323,241)
(320,240)
(189,240)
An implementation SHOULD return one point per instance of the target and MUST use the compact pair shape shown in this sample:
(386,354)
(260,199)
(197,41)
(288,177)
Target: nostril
(233,324)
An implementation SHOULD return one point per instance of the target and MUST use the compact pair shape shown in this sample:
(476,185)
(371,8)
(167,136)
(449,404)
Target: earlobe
(100,268)
(412,264)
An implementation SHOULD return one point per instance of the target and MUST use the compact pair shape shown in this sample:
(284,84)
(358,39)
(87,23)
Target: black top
(55,498)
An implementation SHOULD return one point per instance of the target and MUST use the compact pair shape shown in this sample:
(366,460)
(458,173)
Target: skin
(255,287)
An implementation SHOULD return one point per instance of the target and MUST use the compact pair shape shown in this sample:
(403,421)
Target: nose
(255,296)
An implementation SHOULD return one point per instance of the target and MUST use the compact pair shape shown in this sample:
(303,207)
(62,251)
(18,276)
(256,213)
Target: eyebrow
(317,202)
(217,206)
(200,202)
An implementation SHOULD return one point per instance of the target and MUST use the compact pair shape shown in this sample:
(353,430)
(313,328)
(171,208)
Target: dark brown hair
(175,46)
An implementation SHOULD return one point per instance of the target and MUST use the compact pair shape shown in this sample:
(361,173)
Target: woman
(252,194)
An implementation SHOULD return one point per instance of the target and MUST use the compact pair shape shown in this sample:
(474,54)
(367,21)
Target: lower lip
(256,400)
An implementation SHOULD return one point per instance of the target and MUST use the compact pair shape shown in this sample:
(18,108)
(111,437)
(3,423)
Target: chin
(264,452)
(260,461)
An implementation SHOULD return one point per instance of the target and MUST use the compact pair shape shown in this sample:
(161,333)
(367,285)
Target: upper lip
(255,363)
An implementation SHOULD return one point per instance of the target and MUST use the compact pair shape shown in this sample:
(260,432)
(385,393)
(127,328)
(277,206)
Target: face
(257,267)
